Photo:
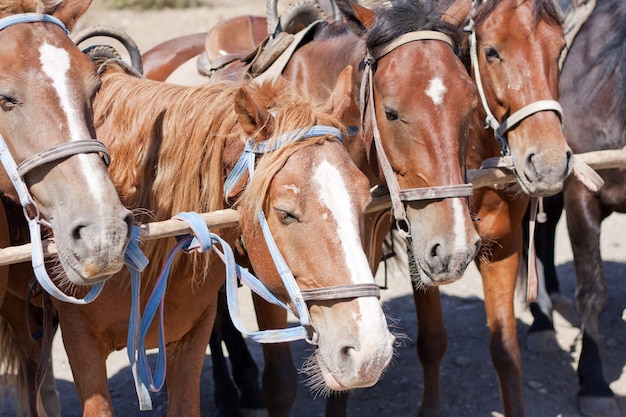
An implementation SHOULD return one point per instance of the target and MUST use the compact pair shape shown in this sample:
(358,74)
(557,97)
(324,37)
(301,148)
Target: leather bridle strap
(61,151)
(367,109)
(339,292)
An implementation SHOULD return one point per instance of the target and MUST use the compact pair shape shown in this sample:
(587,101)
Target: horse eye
(492,54)
(286,217)
(391,114)
(7,104)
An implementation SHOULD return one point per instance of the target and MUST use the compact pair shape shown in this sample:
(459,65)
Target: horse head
(314,204)
(417,101)
(514,48)
(47,123)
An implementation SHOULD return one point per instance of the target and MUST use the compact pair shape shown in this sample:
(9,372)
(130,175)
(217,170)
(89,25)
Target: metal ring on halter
(313,339)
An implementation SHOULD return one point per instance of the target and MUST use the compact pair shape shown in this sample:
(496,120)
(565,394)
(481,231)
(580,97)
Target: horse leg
(499,281)
(541,334)
(337,404)
(244,369)
(87,359)
(30,352)
(432,342)
(584,218)
(225,392)
(279,382)
(185,359)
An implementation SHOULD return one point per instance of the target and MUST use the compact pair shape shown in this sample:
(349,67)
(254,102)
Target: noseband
(399,196)
(17,172)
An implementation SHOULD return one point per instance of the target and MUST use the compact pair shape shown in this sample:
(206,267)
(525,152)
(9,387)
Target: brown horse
(314,198)
(47,123)
(517,50)
(594,99)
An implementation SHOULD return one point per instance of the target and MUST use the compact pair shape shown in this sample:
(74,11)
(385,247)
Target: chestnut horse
(314,198)
(515,46)
(422,132)
(47,123)
(594,100)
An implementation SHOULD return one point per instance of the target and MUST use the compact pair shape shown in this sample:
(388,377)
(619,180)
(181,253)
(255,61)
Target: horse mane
(174,141)
(408,16)
(25,6)
(543,10)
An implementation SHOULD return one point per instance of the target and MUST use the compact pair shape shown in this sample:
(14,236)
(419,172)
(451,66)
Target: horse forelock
(408,16)
(295,113)
(543,10)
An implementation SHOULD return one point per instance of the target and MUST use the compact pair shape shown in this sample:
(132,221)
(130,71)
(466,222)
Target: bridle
(368,115)
(298,297)
(500,129)
(55,153)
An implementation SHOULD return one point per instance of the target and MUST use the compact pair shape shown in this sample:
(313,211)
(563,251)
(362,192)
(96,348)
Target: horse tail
(12,380)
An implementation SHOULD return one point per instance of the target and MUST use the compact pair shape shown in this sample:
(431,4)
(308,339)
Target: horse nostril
(77,232)
(434,251)
(129,219)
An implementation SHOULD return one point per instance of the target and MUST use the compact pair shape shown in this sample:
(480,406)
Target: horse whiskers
(314,378)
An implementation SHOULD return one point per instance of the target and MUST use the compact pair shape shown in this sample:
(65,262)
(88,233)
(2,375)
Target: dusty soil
(469,383)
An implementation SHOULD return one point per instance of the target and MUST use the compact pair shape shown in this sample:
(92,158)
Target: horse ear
(68,11)
(341,97)
(255,121)
(359,18)
(458,12)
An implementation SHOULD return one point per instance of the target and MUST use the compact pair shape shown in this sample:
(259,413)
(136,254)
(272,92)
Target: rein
(55,153)
(368,114)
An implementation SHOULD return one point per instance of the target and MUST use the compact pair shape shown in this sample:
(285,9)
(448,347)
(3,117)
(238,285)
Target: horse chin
(77,275)
(324,382)
(538,189)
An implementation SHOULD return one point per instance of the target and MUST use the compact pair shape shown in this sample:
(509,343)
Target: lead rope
(201,241)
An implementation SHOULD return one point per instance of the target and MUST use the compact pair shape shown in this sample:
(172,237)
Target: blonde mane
(172,146)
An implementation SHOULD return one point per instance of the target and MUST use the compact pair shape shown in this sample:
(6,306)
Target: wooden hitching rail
(222,219)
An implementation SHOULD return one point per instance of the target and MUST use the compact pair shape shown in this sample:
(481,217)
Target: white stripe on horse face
(55,63)
(436,90)
(460,234)
(334,194)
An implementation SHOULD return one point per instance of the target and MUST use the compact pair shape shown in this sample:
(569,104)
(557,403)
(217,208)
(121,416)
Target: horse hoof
(598,406)
(542,341)
(253,412)
(564,306)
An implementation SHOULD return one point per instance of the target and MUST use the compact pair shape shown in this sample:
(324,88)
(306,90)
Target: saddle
(242,45)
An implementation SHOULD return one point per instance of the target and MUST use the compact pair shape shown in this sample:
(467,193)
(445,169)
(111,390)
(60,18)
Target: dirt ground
(469,383)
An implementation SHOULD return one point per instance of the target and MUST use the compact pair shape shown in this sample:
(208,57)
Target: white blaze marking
(436,90)
(55,63)
(460,237)
(373,333)
(334,194)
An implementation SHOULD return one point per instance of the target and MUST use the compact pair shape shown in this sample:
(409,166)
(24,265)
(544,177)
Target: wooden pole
(222,219)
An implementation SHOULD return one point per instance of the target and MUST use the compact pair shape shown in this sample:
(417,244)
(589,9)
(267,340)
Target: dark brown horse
(594,104)
(47,123)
